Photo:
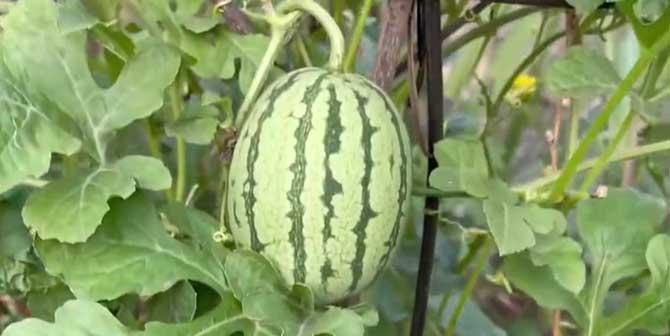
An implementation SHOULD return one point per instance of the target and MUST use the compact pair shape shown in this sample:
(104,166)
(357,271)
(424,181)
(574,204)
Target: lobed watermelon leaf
(59,72)
(129,253)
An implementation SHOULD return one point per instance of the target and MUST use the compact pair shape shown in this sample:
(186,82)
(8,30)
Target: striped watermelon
(320,180)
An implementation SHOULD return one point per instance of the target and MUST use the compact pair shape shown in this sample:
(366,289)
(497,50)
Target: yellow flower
(522,90)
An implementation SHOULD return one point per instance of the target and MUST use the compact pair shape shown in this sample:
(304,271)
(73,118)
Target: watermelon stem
(280,26)
(332,29)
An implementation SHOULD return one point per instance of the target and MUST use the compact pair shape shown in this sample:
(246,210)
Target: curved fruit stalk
(281,23)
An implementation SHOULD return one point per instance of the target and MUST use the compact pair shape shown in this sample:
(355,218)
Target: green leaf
(226,319)
(265,297)
(176,305)
(563,256)
(85,318)
(583,73)
(197,130)
(541,285)
(510,232)
(336,322)
(215,54)
(29,132)
(586,6)
(615,230)
(74,16)
(71,209)
(650,19)
(462,167)
(44,303)
(14,237)
(472,320)
(200,120)
(195,228)
(651,310)
(54,62)
(150,173)
(82,200)
(131,240)
(513,227)
(75,318)
(249,273)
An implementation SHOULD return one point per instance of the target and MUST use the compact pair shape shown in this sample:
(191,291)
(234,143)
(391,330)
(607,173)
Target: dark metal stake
(430,43)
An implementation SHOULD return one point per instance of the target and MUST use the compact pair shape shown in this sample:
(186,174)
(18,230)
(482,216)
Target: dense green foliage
(118,120)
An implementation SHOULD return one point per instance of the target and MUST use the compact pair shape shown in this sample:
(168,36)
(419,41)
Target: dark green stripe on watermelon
(331,186)
(367,213)
(402,192)
(250,183)
(296,235)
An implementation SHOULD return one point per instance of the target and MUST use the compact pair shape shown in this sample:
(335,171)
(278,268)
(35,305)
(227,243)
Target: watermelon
(320,180)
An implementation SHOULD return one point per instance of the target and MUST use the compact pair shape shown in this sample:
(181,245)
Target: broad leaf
(514,227)
(195,228)
(215,55)
(462,167)
(43,303)
(265,297)
(540,283)
(150,173)
(85,318)
(616,231)
(583,73)
(74,16)
(563,255)
(129,253)
(71,209)
(53,61)
(176,305)
(75,318)
(14,237)
(472,320)
(29,132)
(198,125)
(651,310)
(226,319)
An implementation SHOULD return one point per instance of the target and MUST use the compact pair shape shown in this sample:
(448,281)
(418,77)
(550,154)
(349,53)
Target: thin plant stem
(648,87)
(337,8)
(599,124)
(302,50)
(430,192)
(603,159)
(153,143)
(176,107)
(573,133)
(35,182)
(469,287)
(357,36)
(538,185)
(323,17)
(487,29)
(276,40)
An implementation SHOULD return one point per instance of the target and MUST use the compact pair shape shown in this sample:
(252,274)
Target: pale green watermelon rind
(312,141)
